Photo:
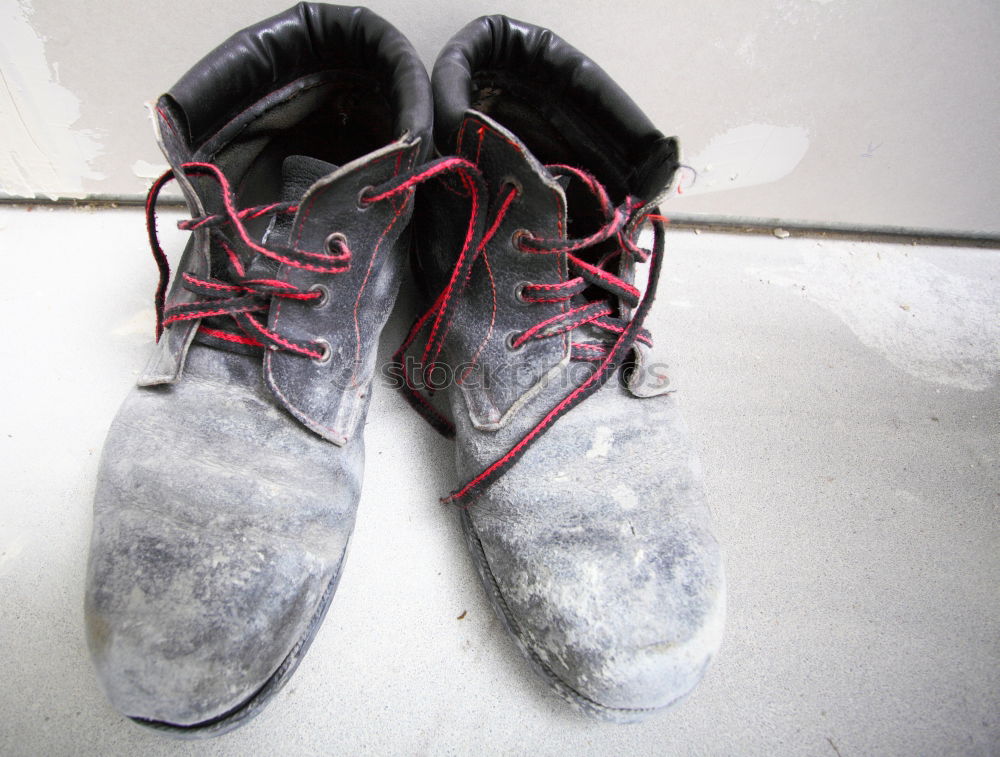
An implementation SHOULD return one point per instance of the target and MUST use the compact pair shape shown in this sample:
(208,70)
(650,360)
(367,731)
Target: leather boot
(230,478)
(582,500)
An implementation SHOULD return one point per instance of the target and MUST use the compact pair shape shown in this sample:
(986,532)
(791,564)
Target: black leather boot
(583,503)
(230,478)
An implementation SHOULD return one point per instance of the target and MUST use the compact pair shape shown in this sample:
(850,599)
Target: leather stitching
(297,411)
(371,264)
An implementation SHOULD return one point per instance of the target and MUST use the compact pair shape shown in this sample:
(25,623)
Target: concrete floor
(845,400)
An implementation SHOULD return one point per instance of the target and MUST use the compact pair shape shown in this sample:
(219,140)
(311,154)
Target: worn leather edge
(582,703)
(256,702)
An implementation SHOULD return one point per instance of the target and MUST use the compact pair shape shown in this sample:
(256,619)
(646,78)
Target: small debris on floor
(781,233)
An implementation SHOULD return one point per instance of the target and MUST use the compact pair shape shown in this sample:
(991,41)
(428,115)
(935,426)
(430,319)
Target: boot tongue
(298,173)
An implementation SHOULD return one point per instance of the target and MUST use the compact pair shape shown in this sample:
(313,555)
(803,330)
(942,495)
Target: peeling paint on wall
(42,154)
(744,157)
(146,170)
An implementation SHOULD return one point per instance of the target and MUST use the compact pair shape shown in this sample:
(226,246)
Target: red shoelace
(232,292)
(622,223)
(246,300)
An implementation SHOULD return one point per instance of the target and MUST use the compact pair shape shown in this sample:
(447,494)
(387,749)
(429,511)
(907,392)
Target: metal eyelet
(335,242)
(517,236)
(510,181)
(327,351)
(519,293)
(510,339)
(324,299)
(363,202)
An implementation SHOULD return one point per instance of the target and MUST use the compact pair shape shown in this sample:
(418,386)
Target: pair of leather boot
(229,481)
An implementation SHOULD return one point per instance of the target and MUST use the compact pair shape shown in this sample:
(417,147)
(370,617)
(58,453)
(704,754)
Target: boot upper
(342,86)
(223,511)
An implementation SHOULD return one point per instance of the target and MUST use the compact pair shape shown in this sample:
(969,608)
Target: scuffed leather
(264,56)
(330,398)
(223,511)
(647,378)
(595,547)
(597,550)
(327,397)
(166,362)
(498,377)
(219,524)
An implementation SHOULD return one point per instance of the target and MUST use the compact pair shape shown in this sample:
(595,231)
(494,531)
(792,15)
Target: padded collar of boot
(567,80)
(306,38)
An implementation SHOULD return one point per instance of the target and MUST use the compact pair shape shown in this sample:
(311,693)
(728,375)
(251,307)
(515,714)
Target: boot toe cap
(620,608)
(220,529)
(186,626)
(619,633)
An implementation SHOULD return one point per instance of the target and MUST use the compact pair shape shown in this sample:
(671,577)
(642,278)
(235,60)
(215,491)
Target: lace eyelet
(519,293)
(335,242)
(510,340)
(324,299)
(511,181)
(517,236)
(363,202)
(327,352)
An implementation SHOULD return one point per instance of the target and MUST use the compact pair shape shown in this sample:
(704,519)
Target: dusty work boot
(582,499)
(230,478)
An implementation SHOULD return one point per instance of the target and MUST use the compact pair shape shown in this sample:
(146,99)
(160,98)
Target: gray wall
(828,111)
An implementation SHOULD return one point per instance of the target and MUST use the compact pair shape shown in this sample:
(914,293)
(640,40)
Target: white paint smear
(744,157)
(936,325)
(625,497)
(146,170)
(11,547)
(140,323)
(600,445)
(41,154)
